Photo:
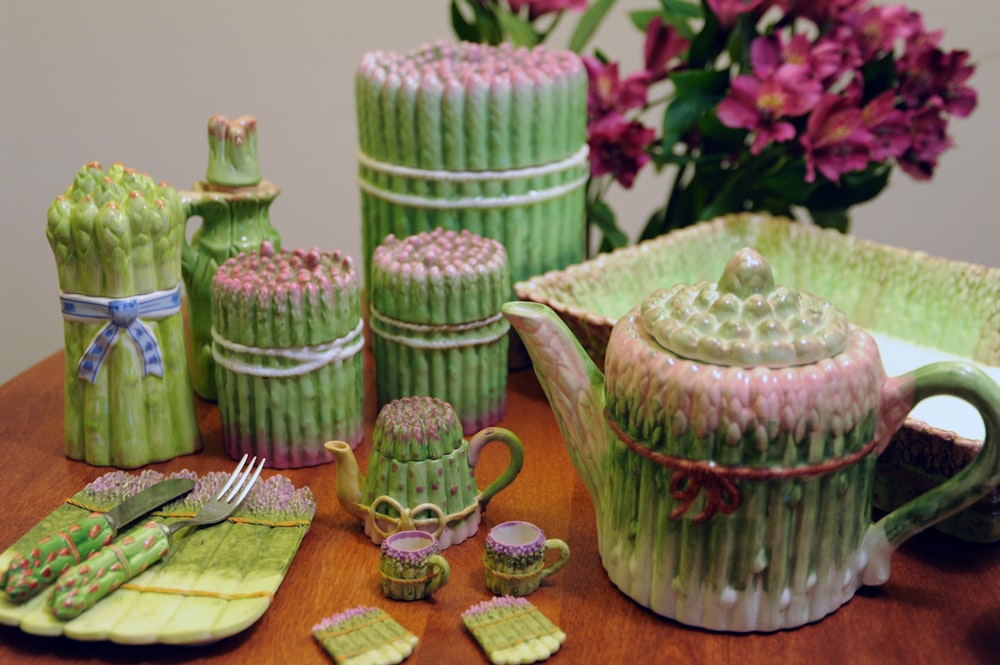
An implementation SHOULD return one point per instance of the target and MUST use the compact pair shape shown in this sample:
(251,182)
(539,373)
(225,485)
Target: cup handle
(514,445)
(968,383)
(562,548)
(199,204)
(441,574)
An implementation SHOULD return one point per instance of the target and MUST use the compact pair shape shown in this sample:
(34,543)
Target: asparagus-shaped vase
(468,136)
(286,344)
(233,204)
(436,323)
(730,448)
(117,239)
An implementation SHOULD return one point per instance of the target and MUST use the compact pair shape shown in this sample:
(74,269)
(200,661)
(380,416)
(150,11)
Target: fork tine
(233,476)
(239,481)
(249,485)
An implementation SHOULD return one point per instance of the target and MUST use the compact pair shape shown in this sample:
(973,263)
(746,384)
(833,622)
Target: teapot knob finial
(746,273)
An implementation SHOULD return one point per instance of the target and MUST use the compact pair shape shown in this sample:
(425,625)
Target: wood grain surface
(941,605)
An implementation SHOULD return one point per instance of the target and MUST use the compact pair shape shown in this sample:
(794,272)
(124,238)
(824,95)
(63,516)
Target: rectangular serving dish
(936,304)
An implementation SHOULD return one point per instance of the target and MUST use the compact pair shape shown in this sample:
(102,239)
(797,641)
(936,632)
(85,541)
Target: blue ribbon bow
(121,314)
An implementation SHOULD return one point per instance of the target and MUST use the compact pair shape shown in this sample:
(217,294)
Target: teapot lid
(745,319)
(416,428)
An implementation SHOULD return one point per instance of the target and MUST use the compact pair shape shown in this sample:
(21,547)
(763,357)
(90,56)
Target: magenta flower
(928,139)
(618,146)
(888,126)
(879,28)
(538,8)
(758,105)
(608,93)
(928,75)
(835,139)
(727,11)
(663,44)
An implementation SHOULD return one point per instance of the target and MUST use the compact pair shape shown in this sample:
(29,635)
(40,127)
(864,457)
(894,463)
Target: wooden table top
(941,605)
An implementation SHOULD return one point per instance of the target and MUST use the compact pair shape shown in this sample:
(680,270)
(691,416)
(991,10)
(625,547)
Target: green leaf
(837,218)
(681,116)
(682,8)
(488,24)
(603,217)
(854,188)
(879,76)
(520,31)
(641,17)
(588,24)
(464,29)
(707,82)
(707,45)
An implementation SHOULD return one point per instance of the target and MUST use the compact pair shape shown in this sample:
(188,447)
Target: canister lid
(418,428)
(745,319)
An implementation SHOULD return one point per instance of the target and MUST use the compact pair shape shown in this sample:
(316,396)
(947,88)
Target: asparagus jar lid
(414,429)
(744,319)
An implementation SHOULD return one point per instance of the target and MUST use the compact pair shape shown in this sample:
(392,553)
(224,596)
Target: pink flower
(835,140)
(538,8)
(928,139)
(663,44)
(618,146)
(928,75)
(727,11)
(821,11)
(608,93)
(758,105)
(888,126)
(879,28)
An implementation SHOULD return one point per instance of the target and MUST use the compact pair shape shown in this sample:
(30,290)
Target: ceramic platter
(217,582)
(925,308)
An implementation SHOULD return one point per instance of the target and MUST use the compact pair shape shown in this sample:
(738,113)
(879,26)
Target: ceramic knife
(34,570)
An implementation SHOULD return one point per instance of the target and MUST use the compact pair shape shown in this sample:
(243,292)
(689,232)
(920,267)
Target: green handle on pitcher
(976,480)
(514,445)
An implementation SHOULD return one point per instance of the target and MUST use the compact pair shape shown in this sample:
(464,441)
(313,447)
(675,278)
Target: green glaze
(435,322)
(234,211)
(511,630)
(36,569)
(411,566)
(364,635)
(514,558)
(117,234)
(738,497)
(421,472)
(275,314)
(80,587)
(468,108)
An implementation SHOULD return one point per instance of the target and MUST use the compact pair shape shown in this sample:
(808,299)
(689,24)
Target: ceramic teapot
(730,447)
(421,472)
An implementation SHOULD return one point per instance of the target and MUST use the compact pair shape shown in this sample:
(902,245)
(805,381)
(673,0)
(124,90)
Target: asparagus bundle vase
(117,239)
(436,325)
(491,139)
(233,203)
(287,340)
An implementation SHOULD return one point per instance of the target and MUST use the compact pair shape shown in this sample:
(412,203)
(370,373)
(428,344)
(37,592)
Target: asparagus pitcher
(730,447)
(117,238)
(233,203)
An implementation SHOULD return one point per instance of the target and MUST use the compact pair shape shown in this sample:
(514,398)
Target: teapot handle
(514,445)
(974,386)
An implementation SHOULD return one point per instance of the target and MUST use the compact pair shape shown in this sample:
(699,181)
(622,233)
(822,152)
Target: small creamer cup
(411,566)
(515,556)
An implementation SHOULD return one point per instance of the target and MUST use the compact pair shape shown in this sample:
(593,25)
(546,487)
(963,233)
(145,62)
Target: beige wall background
(112,80)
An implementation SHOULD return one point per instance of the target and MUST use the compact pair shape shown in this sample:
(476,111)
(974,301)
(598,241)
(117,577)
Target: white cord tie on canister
(579,158)
(377,319)
(309,358)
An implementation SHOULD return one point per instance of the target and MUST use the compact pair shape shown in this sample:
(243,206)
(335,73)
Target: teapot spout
(572,383)
(349,479)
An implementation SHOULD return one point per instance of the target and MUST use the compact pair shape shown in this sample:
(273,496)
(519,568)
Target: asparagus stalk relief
(116,237)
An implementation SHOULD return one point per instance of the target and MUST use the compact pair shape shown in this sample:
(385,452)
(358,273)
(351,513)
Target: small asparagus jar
(491,139)
(116,237)
(286,341)
(436,324)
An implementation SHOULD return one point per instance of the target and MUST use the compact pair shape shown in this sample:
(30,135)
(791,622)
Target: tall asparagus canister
(484,138)
(233,204)
(117,239)
(287,337)
(436,323)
